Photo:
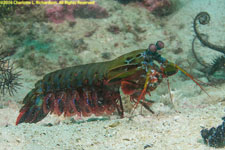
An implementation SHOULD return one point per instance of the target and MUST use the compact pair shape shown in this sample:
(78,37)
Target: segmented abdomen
(80,90)
(74,77)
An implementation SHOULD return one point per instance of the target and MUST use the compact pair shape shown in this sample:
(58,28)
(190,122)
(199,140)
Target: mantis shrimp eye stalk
(152,48)
(159,45)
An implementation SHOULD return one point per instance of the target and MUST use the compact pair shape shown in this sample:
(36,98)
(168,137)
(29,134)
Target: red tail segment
(69,103)
(20,116)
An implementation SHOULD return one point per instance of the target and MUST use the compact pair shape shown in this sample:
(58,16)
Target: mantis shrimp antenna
(191,77)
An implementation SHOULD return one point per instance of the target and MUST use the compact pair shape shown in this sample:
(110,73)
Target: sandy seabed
(170,128)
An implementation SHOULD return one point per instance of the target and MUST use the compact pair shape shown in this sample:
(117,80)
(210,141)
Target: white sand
(167,129)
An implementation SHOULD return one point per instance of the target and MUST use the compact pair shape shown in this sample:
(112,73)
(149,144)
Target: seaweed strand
(204,18)
(194,53)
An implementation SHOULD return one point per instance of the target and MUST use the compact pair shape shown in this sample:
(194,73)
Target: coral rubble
(214,137)
(159,7)
(60,13)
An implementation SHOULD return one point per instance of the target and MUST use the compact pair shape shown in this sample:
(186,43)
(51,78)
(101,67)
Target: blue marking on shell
(128,61)
(74,101)
(39,90)
(143,54)
(47,100)
(88,102)
(59,100)
(38,101)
